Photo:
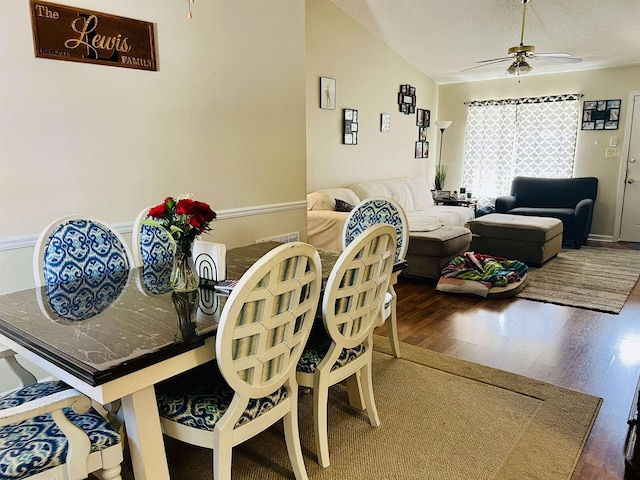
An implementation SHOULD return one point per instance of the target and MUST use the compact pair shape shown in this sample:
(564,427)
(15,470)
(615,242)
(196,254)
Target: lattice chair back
(356,288)
(75,247)
(373,211)
(151,244)
(267,319)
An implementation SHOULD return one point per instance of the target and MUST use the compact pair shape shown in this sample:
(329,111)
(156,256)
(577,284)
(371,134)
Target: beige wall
(223,118)
(590,155)
(368,76)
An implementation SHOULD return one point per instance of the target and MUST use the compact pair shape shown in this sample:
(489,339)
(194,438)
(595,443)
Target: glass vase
(184,277)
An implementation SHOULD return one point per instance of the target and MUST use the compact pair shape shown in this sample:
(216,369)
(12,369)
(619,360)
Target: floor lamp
(442,125)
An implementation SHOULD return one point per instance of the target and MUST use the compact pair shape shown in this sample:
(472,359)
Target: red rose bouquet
(183,218)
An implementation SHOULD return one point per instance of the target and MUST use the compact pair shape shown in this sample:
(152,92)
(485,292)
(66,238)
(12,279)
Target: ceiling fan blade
(494,60)
(553,54)
(555,58)
(489,62)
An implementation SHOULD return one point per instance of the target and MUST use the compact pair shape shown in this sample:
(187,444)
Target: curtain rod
(546,98)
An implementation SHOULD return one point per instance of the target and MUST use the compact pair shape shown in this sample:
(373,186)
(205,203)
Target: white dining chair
(151,244)
(49,431)
(351,303)
(76,246)
(252,384)
(373,211)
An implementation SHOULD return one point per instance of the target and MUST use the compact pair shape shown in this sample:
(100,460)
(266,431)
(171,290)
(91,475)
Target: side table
(458,203)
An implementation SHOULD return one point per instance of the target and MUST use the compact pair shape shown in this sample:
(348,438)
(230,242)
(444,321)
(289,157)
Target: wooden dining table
(115,336)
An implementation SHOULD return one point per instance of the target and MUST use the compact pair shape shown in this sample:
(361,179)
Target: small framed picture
(327,93)
(418,151)
(422,134)
(425,149)
(350,127)
(590,105)
(602,105)
(599,124)
(588,125)
(385,122)
(614,113)
(613,103)
(609,125)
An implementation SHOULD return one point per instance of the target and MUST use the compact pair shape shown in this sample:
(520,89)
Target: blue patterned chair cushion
(156,277)
(81,248)
(189,400)
(373,212)
(155,245)
(317,347)
(37,444)
(85,297)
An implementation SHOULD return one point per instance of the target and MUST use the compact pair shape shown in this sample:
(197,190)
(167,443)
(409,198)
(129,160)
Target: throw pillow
(342,206)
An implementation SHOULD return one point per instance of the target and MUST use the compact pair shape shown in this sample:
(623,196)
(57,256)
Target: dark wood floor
(596,353)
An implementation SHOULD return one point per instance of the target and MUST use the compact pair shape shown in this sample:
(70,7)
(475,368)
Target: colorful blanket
(492,271)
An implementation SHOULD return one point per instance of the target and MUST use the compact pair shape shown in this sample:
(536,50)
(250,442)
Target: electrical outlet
(612,152)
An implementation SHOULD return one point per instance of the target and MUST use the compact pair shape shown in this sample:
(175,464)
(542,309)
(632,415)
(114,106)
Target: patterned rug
(595,278)
(441,419)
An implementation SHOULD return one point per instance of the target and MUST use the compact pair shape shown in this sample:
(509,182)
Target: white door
(630,225)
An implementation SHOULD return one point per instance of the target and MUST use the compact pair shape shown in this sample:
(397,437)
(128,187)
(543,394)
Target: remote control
(226,285)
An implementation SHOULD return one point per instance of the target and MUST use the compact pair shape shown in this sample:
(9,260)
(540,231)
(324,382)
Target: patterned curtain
(533,137)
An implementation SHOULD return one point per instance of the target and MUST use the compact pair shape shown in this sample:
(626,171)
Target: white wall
(605,84)
(223,118)
(368,77)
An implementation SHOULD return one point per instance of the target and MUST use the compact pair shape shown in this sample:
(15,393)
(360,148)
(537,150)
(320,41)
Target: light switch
(613,142)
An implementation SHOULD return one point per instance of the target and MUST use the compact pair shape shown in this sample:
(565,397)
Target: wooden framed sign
(61,32)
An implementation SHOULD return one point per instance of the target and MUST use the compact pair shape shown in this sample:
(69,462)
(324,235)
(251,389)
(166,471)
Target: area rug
(442,418)
(595,278)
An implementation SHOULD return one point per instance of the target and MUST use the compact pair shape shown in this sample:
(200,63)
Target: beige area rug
(595,278)
(442,418)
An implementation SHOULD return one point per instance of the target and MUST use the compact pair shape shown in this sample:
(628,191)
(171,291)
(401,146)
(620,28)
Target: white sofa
(325,225)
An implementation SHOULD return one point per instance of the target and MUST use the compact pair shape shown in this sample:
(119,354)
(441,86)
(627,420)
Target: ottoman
(429,252)
(532,240)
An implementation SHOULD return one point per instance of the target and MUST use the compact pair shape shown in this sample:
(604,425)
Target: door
(630,223)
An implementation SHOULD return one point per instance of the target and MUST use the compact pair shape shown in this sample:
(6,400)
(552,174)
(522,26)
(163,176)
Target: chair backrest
(267,319)
(355,291)
(373,211)
(151,244)
(75,247)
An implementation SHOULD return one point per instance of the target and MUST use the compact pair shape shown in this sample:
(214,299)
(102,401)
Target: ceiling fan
(521,54)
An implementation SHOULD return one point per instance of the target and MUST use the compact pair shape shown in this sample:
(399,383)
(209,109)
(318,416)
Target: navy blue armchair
(568,199)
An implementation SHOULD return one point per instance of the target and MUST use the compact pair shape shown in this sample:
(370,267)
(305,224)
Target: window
(534,137)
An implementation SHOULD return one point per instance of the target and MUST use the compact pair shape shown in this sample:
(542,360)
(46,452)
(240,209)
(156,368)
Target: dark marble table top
(102,328)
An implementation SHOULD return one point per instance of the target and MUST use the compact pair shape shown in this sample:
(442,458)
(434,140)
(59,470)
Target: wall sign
(61,32)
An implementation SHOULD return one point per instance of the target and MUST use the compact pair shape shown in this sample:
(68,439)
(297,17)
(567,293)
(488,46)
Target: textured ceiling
(443,37)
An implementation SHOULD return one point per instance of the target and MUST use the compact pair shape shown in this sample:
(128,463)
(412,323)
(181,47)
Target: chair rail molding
(27,241)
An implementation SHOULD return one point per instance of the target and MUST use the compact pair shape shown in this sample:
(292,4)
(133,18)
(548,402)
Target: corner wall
(368,77)
(605,84)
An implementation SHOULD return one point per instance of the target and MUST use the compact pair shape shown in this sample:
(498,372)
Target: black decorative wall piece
(350,135)
(407,99)
(601,114)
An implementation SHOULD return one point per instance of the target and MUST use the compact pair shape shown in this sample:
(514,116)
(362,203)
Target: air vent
(282,238)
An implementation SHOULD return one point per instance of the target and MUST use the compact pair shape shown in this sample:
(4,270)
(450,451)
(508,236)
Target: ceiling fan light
(519,67)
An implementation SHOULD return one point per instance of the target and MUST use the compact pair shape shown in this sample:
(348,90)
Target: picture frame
(444,195)
(385,122)
(327,93)
(601,114)
(350,127)
(418,150)
(422,134)
(407,99)
(425,149)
